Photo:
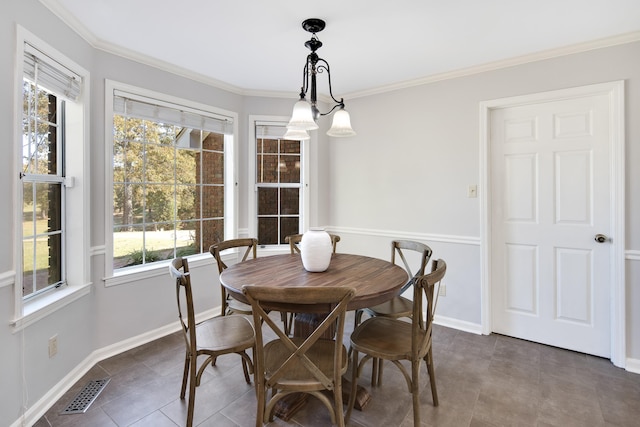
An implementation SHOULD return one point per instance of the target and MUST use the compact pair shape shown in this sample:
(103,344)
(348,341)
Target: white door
(550,182)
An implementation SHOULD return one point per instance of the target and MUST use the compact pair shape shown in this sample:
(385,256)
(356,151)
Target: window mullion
(181,163)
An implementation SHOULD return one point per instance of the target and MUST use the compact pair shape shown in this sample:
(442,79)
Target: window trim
(135,273)
(252,186)
(78,193)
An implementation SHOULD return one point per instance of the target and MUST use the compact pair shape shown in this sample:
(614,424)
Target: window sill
(127,275)
(134,274)
(41,307)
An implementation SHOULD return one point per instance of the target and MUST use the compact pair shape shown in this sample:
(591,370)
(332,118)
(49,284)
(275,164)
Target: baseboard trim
(38,409)
(633,365)
(461,325)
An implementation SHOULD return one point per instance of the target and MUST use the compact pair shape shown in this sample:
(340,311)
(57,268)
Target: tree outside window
(168,190)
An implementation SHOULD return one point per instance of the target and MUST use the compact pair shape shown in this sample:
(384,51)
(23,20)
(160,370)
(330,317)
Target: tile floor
(482,381)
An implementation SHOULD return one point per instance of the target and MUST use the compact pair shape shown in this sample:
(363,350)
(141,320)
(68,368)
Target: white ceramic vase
(316,248)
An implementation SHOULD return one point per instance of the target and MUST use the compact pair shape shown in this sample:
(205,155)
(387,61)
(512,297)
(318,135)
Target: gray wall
(417,150)
(406,173)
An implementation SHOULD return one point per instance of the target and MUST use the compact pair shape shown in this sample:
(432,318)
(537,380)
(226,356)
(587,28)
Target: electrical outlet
(53,346)
(442,291)
(472,191)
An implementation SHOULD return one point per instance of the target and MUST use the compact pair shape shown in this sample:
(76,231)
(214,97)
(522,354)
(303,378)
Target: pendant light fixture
(305,113)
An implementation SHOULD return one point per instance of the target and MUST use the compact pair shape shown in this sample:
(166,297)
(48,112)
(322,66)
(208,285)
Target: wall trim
(44,305)
(39,408)
(8,278)
(632,255)
(98,250)
(443,238)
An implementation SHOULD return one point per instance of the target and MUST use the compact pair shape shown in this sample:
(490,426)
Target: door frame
(615,92)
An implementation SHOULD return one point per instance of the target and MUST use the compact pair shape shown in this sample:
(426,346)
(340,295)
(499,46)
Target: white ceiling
(258,45)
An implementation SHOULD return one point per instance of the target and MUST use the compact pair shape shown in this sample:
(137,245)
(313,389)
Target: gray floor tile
(481,380)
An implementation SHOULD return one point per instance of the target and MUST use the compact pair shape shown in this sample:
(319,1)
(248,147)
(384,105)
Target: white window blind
(50,74)
(265,130)
(129,105)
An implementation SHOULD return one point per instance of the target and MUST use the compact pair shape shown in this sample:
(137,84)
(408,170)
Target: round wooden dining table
(374,280)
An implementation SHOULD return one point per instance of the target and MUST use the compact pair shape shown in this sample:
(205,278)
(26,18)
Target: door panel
(550,179)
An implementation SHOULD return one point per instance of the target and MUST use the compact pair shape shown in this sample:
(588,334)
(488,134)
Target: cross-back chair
(398,306)
(249,246)
(210,338)
(309,364)
(395,340)
(295,239)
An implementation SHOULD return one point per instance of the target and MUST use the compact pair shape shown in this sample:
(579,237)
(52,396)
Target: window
(171,182)
(42,176)
(279,178)
(52,229)
(42,190)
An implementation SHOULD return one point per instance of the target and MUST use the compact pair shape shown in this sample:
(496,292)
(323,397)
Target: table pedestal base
(289,405)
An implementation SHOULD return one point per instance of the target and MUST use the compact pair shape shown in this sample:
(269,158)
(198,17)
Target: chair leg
(246,371)
(432,377)
(337,405)
(354,385)
(415,390)
(287,321)
(376,372)
(192,390)
(357,319)
(261,397)
(380,369)
(185,375)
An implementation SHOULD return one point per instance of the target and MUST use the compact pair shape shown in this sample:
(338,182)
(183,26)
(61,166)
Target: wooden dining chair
(211,338)
(295,239)
(398,306)
(309,364)
(246,247)
(396,340)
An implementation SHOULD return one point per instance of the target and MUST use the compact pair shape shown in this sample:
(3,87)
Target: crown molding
(84,32)
(505,63)
(70,20)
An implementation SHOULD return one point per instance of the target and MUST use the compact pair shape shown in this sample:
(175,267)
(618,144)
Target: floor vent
(85,398)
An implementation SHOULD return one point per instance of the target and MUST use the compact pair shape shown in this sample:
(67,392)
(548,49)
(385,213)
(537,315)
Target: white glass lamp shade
(296,135)
(302,117)
(341,125)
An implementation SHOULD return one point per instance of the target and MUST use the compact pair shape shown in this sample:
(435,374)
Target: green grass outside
(125,243)
(42,248)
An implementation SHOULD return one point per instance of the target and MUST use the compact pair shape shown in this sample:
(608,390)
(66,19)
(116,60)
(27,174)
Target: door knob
(601,238)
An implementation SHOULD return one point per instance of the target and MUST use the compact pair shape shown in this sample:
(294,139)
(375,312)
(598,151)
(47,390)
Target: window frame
(76,201)
(138,272)
(57,178)
(252,203)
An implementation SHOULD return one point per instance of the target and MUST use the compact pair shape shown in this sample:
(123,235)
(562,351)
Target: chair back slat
(398,248)
(336,299)
(179,269)
(425,291)
(248,244)
(294,242)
